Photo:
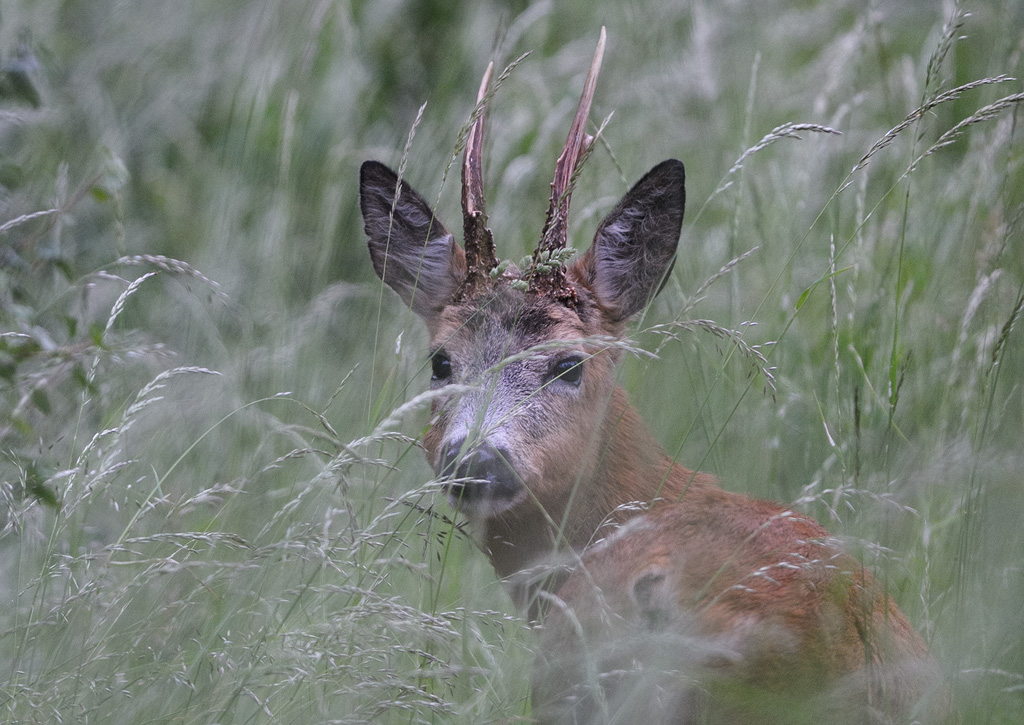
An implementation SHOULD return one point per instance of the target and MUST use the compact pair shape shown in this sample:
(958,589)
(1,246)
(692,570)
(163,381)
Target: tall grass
(214,506)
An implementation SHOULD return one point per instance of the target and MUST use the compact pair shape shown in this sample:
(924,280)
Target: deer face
(539,365)
(538,388)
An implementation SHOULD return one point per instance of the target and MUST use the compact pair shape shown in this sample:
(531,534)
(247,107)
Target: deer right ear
(411,250)
(635,246)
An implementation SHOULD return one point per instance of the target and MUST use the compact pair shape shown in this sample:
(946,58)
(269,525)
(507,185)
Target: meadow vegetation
(214,508)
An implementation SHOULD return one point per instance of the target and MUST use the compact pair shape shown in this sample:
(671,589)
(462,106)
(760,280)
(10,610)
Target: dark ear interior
(411,250)
(634,247)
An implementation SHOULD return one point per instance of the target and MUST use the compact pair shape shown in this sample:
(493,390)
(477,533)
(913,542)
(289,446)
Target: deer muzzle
(481,477)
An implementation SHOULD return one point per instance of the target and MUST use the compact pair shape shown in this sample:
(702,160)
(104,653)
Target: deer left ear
(635,246)
(411,250)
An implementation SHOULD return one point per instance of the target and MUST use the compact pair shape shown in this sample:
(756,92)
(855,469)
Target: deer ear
(634,248)
(411,250)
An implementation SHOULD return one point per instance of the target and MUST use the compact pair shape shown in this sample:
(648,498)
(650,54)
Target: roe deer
(660,596)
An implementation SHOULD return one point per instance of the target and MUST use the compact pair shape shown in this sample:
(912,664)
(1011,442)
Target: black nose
(488,472)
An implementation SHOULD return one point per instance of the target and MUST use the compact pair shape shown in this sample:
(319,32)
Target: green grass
(264,544)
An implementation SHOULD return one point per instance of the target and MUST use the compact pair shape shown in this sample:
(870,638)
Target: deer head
(535,343)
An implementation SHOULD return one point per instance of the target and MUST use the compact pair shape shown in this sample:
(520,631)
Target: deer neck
(624,466)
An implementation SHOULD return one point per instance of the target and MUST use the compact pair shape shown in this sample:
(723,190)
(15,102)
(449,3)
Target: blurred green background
(210,513)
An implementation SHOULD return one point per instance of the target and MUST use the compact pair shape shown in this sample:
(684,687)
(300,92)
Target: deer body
(661,595)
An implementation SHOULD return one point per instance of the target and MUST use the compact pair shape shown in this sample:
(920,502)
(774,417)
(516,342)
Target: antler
(477,238)
(555,233)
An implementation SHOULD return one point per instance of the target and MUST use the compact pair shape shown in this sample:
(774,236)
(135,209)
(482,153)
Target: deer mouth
(481,480)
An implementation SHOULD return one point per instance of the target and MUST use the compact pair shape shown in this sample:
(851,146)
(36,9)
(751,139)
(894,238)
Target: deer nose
(488,472)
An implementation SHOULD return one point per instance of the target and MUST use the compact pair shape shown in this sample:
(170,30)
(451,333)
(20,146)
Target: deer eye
(440,366)
(568,370)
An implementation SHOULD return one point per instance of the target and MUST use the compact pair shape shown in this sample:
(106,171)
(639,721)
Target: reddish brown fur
(816,632)
(768,585)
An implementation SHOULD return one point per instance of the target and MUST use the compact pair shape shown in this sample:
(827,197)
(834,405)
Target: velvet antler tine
(552,282)
(477,238)
(555,233)
(472,175)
